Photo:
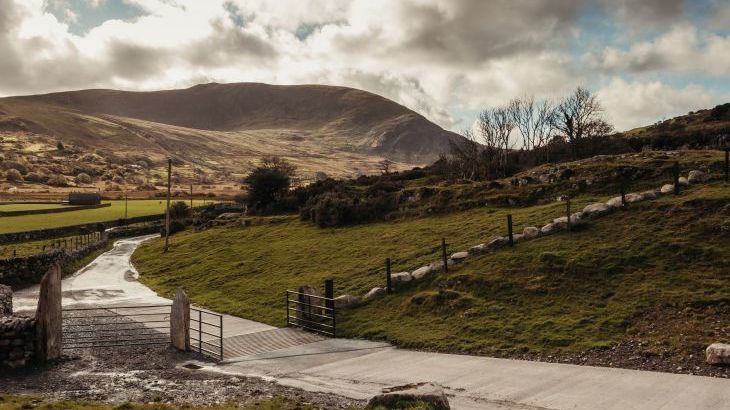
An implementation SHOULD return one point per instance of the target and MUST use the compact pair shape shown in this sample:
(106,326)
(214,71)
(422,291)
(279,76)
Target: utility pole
(167,212)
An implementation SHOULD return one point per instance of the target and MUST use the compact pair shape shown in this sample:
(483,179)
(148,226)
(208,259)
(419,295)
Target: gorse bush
(340,208)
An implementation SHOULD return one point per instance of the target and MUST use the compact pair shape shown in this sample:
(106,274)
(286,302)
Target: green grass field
(564,293)
(116,211)
(35,247)
(27,207)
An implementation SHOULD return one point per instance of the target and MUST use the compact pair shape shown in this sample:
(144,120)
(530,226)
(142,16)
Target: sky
(447,59)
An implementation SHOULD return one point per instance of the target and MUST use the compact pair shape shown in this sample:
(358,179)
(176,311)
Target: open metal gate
(312,313)
(206,333)
(89,327)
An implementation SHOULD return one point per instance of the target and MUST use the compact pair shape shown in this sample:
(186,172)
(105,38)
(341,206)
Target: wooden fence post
(389,285)
(510,235)
(443,254)
(623,193)
(676,178)
(180,321)
(48,315)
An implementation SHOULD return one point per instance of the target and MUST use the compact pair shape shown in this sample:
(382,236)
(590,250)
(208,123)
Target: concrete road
(360,369)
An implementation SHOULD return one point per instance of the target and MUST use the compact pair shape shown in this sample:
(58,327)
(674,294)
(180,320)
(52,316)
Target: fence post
(510,236)
(329,293)
(676,178)
(389,287)
(443,254)
(727,165)
(49,315)
(623,193)
(567,211)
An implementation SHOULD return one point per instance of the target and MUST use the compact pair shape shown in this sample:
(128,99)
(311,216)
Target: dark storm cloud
(643,14)
(227,44)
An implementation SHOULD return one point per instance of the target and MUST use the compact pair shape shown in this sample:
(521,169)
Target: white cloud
(683,49)
(634,104)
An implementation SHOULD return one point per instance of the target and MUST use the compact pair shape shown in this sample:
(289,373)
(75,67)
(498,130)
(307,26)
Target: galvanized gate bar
(206,347)
(310,316)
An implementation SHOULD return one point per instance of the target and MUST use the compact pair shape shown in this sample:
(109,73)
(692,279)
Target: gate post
(180,321)
(49,330)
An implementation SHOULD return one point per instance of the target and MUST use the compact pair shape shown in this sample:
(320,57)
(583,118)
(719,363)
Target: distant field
(115,211)
(28,207)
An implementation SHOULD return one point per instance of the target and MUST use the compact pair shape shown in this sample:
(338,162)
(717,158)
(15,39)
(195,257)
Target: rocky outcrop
(421,395)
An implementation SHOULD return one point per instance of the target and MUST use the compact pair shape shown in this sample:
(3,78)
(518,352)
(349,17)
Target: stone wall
(52,210)
(28,270)
(17,340)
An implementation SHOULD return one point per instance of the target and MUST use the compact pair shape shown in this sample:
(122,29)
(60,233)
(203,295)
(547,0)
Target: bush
(37,177)
(83,178)
(346,208)
(13,175)
(118,180)
(179,210)
(266,185)
(15,165)
(57,180)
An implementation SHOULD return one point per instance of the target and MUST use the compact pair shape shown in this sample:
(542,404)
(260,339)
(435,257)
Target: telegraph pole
(167,212)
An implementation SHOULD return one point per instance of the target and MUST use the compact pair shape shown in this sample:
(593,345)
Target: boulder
(346,301)
(634,197)
(615,202)
(401,277)
(667,189)
(517,237)
(549,228)
(497,243)
(426,395)
(421,272)
(718,353)
(651,194)
(696,176)
(683,181)
(374,293)
(459,257)
(478,249)
(596,209)
(530,232)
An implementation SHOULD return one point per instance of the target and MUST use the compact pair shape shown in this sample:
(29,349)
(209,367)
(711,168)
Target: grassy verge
(29,402)
(656,274)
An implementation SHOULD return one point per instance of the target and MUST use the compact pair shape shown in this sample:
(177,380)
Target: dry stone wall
(28,270)
(17,340)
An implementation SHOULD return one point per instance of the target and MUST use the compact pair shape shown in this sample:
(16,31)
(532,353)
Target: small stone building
(84,198)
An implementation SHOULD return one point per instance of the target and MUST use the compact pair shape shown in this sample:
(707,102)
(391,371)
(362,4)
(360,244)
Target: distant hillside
(702,128)
(227,126)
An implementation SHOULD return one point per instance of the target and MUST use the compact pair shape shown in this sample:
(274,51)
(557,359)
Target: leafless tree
(495,126)
(465,156)
(385,165)
(578,116)
(533,120)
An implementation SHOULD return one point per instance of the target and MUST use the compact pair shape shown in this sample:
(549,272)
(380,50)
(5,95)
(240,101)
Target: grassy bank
(245,270)
(563,293)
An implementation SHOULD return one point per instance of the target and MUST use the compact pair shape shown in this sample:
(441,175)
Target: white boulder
(478,249)
(346,300)
(530,232)
(596,209)
(683,181)
(401,277)
(421,272)
(667,189)
(651,194)
(718,353)
(696,176)
(459,257)
(549,228)
(421,395)
(634,197)
(497,243)
(374,293)
(615,202)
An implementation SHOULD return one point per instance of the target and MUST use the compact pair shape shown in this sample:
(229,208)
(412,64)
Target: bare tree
(495,126)
(533,120)
(384,166)
(578,116)
(465,156)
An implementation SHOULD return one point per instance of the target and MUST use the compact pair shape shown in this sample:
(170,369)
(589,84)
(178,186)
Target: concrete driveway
(360,369)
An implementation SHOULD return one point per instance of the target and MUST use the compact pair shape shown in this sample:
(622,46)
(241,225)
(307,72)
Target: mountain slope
(214,122)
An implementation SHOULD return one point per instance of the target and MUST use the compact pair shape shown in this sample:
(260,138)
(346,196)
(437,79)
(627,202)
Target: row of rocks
(17,340)
(591,211)
(6,300)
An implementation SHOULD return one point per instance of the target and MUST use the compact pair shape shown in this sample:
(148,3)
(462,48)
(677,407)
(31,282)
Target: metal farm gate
(90,327)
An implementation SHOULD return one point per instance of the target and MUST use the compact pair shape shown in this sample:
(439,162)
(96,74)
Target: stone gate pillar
(180,321)
(48,315)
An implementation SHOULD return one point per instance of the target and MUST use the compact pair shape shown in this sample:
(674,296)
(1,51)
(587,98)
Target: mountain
(223,128)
